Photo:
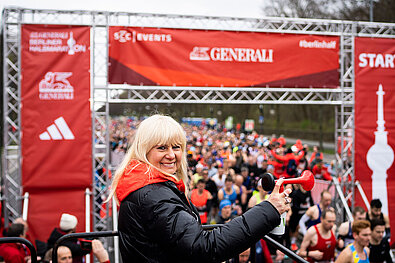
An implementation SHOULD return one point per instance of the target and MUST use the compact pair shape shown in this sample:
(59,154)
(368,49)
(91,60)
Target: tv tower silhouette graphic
(380,155)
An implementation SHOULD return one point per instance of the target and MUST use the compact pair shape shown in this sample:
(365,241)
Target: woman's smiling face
(165,157)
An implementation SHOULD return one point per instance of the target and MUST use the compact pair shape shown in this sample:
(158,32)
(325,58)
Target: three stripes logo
(57,131)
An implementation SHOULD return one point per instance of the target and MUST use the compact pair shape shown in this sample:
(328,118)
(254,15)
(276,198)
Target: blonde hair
(153,131)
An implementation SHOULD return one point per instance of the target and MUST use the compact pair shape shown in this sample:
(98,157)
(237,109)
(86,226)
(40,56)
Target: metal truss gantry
(102,94)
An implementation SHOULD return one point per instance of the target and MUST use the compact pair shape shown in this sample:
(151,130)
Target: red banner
(375,120)
(158,56)
(56,122)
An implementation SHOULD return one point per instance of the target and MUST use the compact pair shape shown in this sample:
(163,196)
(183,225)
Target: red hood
(137,175)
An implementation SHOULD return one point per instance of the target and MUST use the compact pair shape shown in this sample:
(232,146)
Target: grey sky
(232,8)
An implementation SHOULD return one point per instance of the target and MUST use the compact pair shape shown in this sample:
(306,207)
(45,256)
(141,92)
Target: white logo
(317,44)
(71,43)
(124,36)
(373,60)
(57,131)
(55,86)
(226,54)
(54,42)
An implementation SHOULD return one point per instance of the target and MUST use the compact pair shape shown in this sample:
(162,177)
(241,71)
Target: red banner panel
(56,117)
(182,57)
(375,120)
(46,207)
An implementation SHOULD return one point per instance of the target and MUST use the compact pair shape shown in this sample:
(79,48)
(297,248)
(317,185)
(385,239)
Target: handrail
(27,243)
(272,242)
(342,199)
(268,239)
(364,198)
(284,249)
(79,235)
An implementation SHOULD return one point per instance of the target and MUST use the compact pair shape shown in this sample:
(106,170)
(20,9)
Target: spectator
(247,182)
(219,177)
(298,145)
(244,256)
(378,246)
(242,196)
(229,191)
(201,199)
(289,160)
(99,251)
(262,250)
(258,196)
(237,159)
(301,202)
(252,166)
(313,214)
(279,168)
(212,170)
(357,251)
(198,174)
(319,243)
(345,230)
(302,166)
(67,225)
(212,188)
(320,171)
(64,253)
(225,212)
(15,252)
(191,162)
(375,212)
(117,155)
(315,156)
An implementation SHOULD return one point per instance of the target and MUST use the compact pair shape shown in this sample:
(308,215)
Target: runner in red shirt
(319,243)
(201,198)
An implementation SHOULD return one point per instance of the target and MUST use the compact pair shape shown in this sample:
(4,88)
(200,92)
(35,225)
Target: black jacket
(158,224)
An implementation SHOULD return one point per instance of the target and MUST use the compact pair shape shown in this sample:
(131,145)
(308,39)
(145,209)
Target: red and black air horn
(306,180)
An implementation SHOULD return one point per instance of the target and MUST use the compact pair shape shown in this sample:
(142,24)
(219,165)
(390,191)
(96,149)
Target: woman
(157,223)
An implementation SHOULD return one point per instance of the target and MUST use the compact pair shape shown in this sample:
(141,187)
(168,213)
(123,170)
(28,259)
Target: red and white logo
(200,53)
(226,54)
(124,36)
(55,86)
(57,131)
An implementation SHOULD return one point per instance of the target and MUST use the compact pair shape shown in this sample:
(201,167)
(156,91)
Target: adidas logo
(57,131)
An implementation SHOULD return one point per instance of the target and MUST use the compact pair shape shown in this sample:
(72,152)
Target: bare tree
(383,10)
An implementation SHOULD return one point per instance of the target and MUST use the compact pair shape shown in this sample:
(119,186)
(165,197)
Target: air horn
(306,180)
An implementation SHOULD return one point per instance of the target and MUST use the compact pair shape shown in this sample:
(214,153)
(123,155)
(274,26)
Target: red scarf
(138,174)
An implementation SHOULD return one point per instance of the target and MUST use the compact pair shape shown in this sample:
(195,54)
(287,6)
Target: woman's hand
(280,201)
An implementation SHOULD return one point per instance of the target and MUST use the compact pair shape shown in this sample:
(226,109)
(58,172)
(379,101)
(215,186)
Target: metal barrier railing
(79,235)
(268,239)
(27,243)
(33,252)
(272,242)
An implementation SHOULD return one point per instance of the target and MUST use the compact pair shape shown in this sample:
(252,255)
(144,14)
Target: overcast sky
(232,8)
